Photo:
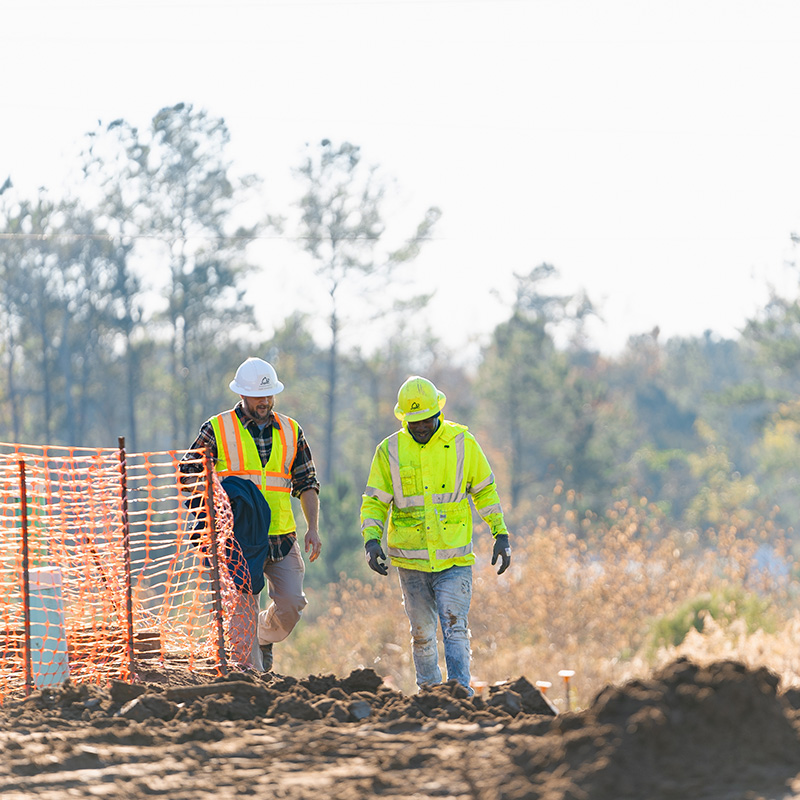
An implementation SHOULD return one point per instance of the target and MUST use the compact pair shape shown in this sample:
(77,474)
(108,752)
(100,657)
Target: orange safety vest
(237,454)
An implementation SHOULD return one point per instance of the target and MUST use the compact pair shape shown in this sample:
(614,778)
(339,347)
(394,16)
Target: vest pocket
(454,514)
(413,517)
(409,482)
(408,538)
(408,528)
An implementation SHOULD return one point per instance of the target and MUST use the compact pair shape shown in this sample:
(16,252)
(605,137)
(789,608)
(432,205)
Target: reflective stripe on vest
(399,499)
(456,496)
(422,555)
(384,497)
(371,523)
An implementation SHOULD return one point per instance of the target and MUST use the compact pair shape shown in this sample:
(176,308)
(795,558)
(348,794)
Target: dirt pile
(689,731)
(720,732)
(247,696)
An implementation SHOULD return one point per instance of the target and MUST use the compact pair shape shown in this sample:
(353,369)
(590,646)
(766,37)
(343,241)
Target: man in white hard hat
(253,443)
(419,487)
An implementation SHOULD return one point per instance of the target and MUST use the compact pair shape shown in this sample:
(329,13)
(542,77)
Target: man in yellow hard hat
(419,487)
(261,455)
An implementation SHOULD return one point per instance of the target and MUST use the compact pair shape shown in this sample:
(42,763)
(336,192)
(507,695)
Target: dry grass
(584,594)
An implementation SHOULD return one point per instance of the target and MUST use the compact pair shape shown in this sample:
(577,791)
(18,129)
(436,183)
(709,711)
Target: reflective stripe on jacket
(423,492)
(237,454)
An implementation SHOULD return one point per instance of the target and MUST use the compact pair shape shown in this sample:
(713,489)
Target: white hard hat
(256,378)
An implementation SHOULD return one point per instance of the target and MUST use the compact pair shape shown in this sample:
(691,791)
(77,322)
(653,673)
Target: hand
(313,544)
(502,550)
(373,552)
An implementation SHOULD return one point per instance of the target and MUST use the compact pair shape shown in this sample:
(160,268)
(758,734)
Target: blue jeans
(446,595)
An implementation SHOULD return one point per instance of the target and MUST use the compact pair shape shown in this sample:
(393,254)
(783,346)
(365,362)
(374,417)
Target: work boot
(266,656)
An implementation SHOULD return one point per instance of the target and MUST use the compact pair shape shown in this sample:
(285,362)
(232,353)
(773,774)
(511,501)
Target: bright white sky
(648,149)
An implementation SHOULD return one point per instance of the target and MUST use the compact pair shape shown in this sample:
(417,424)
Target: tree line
(706,428)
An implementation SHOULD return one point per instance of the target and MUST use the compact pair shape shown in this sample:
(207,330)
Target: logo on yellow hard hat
(418,399)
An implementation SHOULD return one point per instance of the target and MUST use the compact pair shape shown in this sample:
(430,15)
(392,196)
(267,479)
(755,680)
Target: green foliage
(549,412)
(775,333)
(722,491)
(724,605)
(60,313)
(340,529)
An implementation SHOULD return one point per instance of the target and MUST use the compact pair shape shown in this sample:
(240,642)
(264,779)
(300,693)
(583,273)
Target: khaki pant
(250,627)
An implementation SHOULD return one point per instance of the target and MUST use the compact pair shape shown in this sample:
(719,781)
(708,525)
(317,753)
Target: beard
(259,410)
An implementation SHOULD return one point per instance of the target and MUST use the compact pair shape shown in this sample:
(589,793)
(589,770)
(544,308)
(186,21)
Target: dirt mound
(718,732)
(248,696)
(689,731)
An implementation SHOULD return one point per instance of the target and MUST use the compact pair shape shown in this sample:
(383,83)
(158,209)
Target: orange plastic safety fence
(108,566)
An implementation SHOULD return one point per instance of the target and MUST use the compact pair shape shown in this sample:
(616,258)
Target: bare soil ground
(716,732)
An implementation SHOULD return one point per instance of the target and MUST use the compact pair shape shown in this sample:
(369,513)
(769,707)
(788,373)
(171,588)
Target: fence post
(26,588)
(215,581)
(126,549)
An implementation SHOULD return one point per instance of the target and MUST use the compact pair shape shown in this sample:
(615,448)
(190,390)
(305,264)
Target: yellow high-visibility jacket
(237,454)
(424,491)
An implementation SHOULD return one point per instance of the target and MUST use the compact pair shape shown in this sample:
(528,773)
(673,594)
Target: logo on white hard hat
(256,378)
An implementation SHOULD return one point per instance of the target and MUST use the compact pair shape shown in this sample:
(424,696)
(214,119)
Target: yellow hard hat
(418,399)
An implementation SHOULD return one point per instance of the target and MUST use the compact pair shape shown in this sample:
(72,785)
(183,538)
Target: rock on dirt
(716,732)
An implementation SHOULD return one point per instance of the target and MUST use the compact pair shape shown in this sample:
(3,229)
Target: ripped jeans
(444,595)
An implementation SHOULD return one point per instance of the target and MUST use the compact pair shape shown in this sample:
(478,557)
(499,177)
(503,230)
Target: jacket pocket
(409,482)
(407,529)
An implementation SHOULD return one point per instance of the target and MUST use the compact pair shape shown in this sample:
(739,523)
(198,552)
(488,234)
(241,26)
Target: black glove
(502,550)
(373,551)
